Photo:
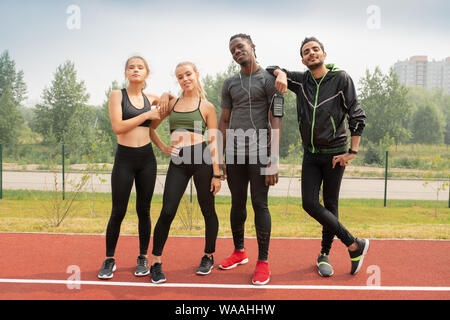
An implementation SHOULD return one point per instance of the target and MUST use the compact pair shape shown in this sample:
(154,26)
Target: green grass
(29,211)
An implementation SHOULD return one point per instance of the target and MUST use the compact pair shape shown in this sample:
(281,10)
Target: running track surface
(37,266)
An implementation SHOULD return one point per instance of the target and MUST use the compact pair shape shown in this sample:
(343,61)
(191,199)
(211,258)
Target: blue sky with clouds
(166,32)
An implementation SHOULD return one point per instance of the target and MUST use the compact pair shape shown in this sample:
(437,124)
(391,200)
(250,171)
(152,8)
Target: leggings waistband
(193,154)
(134,151)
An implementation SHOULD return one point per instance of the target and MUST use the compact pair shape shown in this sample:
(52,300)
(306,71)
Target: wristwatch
(352,151)
(218,176)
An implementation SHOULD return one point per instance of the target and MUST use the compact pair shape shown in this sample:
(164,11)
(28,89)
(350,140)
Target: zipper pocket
(334,126)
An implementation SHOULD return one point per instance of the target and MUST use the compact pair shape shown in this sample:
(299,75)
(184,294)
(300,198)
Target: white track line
(223,286)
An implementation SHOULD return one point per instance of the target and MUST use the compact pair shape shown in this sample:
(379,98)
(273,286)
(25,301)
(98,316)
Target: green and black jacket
(322,106)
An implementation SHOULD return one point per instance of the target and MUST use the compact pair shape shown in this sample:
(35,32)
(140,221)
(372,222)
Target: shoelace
(109,263)
(157,268)
(205,261)
(142,262)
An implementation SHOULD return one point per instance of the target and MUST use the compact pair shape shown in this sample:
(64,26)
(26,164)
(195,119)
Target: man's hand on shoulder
(281,80)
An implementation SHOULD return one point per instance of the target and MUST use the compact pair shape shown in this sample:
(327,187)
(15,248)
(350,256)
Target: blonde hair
(200,90)
(145,64)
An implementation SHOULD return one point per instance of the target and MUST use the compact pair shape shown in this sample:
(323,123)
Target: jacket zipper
(314,110)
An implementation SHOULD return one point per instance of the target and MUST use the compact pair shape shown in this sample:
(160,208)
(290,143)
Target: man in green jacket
(326,96)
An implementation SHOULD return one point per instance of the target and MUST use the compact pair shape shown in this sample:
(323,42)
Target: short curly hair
(309,39)
(246,37)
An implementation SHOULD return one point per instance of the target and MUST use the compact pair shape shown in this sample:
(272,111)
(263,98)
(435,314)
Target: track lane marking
(223,286)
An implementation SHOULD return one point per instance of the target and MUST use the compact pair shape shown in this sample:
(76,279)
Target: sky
(99,36)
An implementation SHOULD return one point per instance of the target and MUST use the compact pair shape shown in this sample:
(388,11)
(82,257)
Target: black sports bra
(129,111)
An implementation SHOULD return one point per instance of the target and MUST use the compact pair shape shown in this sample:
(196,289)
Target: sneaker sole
(259,283)
(159,281)
(204,273)
(324,275)
(105,277)
(362,257)
(142,274)
(234,265)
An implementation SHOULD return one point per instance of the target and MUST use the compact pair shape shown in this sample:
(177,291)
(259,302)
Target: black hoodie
(323,105)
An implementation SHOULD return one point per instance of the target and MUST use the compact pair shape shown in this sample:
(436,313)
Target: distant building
(418,71)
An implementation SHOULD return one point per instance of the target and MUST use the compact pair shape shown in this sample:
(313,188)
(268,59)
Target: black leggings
(177,179)
(138,165)
(238,178)
(315,169)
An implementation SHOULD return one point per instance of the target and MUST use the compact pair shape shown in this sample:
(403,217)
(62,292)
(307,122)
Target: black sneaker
(157,273)
(357,256)
(205,266)
(324,265)
(142,267)
(108,267)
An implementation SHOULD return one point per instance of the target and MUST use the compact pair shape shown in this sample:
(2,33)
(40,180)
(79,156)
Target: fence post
(1,171)
(385,178)
(63,182)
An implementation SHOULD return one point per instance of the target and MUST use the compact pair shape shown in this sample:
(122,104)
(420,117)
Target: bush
(406,162)
(374,155)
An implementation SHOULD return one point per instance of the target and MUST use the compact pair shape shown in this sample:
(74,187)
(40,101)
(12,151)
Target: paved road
(351,188)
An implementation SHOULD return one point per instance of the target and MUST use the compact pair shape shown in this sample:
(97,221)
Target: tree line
(395,115)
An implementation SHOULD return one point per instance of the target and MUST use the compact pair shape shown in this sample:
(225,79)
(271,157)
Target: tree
(12,79)
(385,102)
(426,125)
(12,95)
(10,118)
(213,85)
(64,116)
(435,98)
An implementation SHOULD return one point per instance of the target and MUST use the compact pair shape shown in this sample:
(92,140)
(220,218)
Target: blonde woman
(189,115)
(131,115)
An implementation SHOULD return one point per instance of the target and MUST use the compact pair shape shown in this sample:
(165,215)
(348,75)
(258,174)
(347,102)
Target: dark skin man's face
(242,51)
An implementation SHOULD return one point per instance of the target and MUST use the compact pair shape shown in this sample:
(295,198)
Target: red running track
(405,269)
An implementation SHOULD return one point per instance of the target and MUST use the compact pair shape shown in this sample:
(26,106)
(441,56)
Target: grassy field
(31,211)
(405,161)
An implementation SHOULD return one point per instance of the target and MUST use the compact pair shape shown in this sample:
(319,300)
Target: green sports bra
(190,121)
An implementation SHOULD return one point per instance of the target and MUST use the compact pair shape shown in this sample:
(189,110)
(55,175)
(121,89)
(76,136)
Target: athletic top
(190,121)
(129,111)
(324,107)
(249,97)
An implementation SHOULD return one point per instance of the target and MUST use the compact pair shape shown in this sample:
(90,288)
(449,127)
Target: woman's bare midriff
(137,137)
(186,138)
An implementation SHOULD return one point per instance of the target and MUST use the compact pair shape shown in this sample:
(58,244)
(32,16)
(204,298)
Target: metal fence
(51,167)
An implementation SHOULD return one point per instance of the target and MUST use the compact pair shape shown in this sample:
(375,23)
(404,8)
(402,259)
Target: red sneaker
(262,273)
(237,258)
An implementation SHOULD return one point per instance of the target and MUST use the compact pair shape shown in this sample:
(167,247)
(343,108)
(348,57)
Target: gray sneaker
(324,265)
(107,269)
(142,267)
(205,266)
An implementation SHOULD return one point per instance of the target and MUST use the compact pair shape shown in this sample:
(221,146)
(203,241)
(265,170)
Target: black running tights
(238,177)
(138,165)
(317,168)
(177,179)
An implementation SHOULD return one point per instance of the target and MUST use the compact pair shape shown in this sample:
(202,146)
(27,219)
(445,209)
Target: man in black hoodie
(326,96)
